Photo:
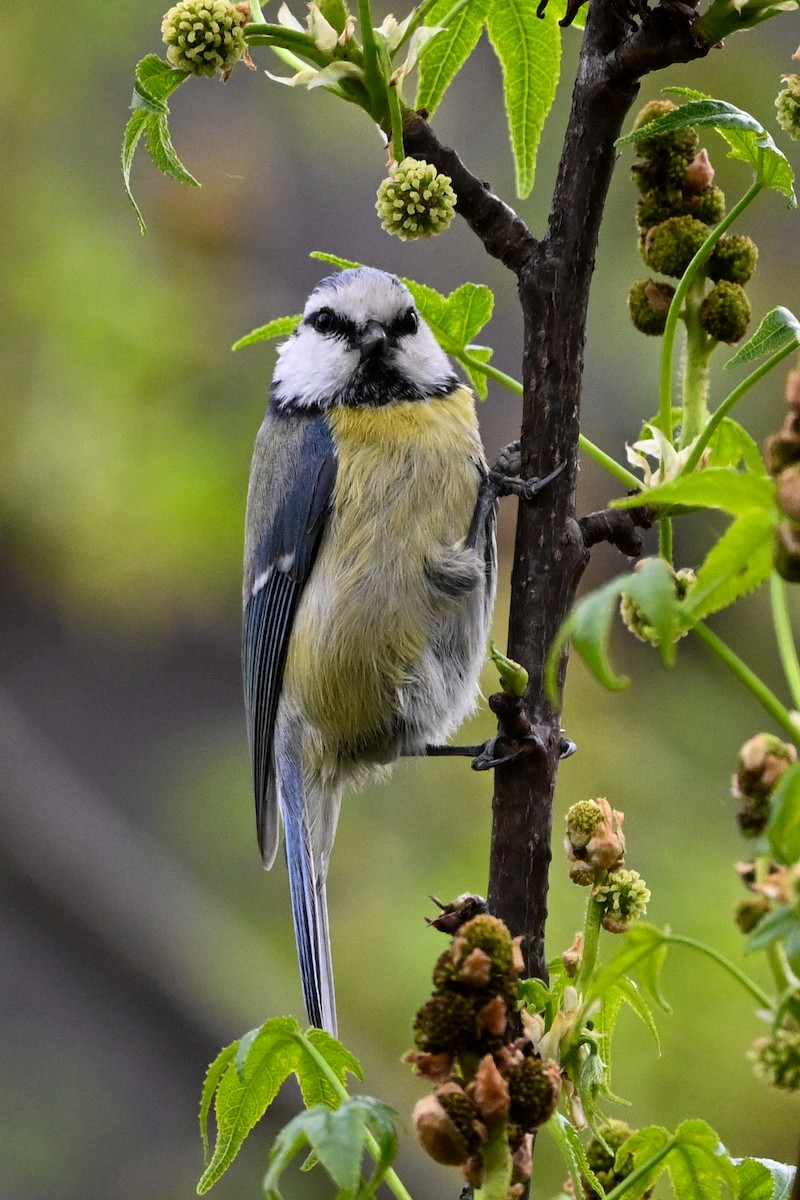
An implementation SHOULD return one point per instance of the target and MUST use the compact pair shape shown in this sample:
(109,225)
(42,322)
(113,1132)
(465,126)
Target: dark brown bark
(554,275)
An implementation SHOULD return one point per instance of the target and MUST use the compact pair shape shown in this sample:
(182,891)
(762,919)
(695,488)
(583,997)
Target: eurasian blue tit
(369,576)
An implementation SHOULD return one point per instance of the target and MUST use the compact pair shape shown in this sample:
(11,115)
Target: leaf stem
(675,308)
(376,84)
(766,698)
(728,403)
(680,939)
(497,1163)
(393,97)
(256,15)
(783,635)
(695,370)
(591,940)
(391,1178)
(589,448)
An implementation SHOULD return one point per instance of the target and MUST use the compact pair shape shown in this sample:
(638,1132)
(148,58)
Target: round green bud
(664,172)
(776,1059)
(648,305)
(733,258)
(415,201)
(534,1088)
(445,1022)
(601,1155)
(623,898)
(681,143)
(657,206)
(671,246)
(725,312)
(788,106)
(582,821)
(204,36)
(489,934)
(708,205)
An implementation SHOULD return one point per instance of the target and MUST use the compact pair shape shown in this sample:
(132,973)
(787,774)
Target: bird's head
(361,341)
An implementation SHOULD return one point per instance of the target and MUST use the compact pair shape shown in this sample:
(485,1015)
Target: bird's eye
(324,320)
(408,323)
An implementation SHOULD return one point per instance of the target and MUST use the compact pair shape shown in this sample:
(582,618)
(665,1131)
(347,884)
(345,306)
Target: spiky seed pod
(489,934)
(415,200)
(204,36)
(463,1113)
(601,1157)
(623,898)
(788,491)
(648,305)
(534,1088)
(786,552)
(671,246)
(725,312)
(657,206)
(438,1134)
(788,106)
(749,912)
(445,1022)
(776,1059)
(760,763)
(663,173)
(733,258)
(707,205)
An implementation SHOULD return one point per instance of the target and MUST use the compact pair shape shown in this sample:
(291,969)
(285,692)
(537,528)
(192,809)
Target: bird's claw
(505,475)
(500,751)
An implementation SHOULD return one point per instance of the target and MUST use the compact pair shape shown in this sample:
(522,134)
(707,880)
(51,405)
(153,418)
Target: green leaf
(210,1085)
(162,152)
(735,492)
(338,1139)
(732,446)
(529,50)
(314,1084)
(648,1148)
(783,829)
(133,131)
(449,50)
(779,925)
(697,1165)
(738,563)
(477,377)
(280,327)
(155,80)
(628,992)
(749,141)
(643,950)
(588,626)
(534,994)
(566,1138)
(755,1185)
(780,328)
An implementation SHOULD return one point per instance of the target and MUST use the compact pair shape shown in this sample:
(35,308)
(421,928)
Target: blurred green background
(139,932)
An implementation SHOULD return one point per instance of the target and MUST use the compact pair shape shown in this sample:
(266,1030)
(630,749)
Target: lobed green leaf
(779,329)
(648,1148)
(698,1166)
(738,563)
(572,1149)
(133,131)
(160,148)
(529,50)
(735,492)
(732,446)
(155,80)
(449,50)
(783,829)
(213,1076)
(314,1083)
(762,1179)
(280,327)
(478,378)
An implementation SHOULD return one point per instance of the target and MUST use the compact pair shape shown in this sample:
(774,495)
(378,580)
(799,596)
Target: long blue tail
(307,873)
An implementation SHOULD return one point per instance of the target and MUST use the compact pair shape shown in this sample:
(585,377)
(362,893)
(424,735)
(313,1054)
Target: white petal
(324,35)
(301,79)
(334,72)
(286,19)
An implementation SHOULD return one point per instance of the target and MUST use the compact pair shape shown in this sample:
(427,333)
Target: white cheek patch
(311,368)
(422,360)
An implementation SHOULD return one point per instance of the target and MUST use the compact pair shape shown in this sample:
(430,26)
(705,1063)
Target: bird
(369,576)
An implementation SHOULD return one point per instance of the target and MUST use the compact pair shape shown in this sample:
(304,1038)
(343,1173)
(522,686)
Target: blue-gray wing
(291,484)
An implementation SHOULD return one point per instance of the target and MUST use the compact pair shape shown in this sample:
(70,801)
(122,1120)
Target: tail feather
(307,874)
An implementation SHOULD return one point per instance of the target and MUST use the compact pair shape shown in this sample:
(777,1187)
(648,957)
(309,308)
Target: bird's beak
(373,341)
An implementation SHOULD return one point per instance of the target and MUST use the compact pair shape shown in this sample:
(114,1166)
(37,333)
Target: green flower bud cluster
(482,1074)
(678,206)
(762,761)
(776,1059)
(788,106)
(601,1154)
(782,454)
(415,200)
(623,898)
(204,36)
(637,622)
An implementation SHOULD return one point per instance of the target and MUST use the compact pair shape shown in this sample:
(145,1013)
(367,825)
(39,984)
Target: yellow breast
(406,487)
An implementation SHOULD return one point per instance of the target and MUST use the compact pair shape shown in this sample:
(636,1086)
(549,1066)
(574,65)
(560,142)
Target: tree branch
(616,526)
(504,234)
(666,36)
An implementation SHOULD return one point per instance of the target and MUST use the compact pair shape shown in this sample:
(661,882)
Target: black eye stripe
(406,323)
